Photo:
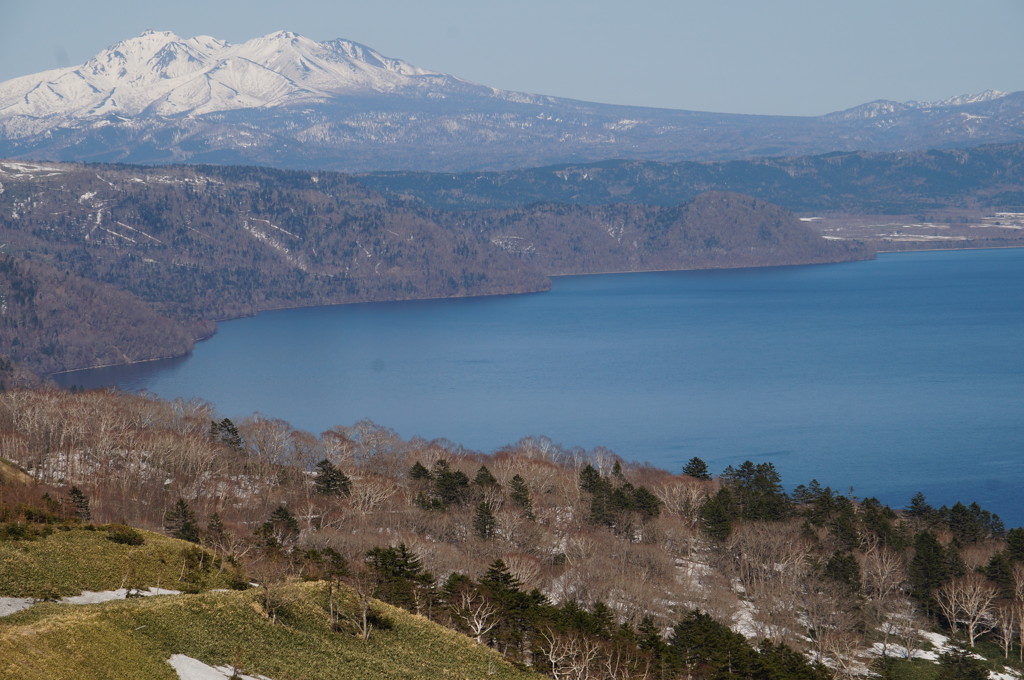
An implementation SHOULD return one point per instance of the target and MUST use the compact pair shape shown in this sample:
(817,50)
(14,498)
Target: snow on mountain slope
(288,101)
(964,99)
(883,107)
(160,73)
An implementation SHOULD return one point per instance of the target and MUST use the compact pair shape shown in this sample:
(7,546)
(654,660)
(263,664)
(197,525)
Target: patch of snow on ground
(940,642)
(89,597)
(188,668)
(10,605)
(743,621)
(29,169)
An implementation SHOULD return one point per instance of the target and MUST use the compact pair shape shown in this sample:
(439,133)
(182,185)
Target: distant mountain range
(989,177)
(287,101)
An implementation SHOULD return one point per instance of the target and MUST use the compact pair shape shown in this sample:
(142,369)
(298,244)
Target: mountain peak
(149,32)
(963,99)
(158,72)
(881,108)
(282,35)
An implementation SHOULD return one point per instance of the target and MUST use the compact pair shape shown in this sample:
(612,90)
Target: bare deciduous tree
(364,582)
(1007,619)
(476,613)
(369,492)
(571,656)
(968,600)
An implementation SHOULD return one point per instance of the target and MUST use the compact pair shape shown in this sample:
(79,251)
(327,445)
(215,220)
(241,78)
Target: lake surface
(892,376)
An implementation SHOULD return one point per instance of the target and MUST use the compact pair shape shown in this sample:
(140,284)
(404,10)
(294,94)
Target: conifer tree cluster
(615,502)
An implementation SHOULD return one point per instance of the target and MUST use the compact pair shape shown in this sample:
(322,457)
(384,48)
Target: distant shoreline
(69,371)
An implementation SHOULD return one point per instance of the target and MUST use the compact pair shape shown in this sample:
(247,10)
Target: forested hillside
(573,562)
(909,182)
(51,319)
(142,259)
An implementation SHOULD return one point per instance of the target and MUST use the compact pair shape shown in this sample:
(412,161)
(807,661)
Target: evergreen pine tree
(931,566)
(880,521)
(602,620)
(617,472)
(646,503)
(180,522)
(843,568)
(403,581)
(843,526)
(999,570)
(706,648)
(483,521)
(80,504)
(499,579)
(779,662)
(650,638)
(590,480)
(1015,544)
(757,491)
(920,510)
(330,481)
(484,477)
(418,471)
(281,531)
(216,534)
(519,493)
(225,432)
(450,486)
(717,514)
(697,469)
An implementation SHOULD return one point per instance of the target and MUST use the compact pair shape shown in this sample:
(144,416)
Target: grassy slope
(69,561)
(12,474)
(134,638)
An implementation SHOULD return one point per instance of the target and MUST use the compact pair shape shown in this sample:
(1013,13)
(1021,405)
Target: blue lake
(891,376)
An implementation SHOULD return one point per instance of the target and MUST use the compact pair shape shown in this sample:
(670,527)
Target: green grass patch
(134,639)
(68,561)
(993,653)
(901,669)
(12,474)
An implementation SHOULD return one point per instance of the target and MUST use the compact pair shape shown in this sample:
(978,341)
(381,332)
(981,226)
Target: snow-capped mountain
(160,74)
(884,107)
(286,100)
(986,96)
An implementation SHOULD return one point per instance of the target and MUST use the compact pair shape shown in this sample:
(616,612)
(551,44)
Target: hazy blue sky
(803,57)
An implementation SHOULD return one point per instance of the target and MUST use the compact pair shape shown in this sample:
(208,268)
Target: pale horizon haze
(787,57)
